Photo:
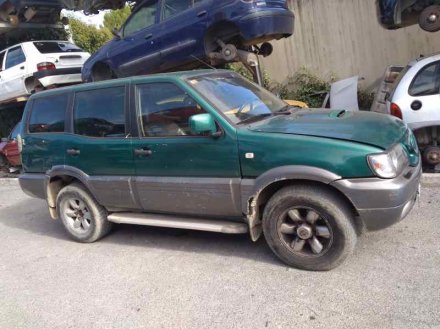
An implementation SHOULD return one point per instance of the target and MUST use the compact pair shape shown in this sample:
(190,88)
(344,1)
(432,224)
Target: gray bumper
(382,202)
(34,185)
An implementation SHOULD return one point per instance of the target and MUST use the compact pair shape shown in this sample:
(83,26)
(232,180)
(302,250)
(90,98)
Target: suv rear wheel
(83,218)
(309,227)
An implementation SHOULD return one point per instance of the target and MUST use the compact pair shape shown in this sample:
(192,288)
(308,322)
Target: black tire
(328,212)
(425,19)
(91,223)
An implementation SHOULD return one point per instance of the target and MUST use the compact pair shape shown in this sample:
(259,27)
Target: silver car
(415,98)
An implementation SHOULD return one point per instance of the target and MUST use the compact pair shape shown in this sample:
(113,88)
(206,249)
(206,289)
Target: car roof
(115,82)
(426,59)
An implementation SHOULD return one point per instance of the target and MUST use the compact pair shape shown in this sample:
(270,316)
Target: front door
(177,171)
(137,52)
(13,75)
(100,146)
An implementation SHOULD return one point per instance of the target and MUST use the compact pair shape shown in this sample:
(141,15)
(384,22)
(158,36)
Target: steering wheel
(243,107)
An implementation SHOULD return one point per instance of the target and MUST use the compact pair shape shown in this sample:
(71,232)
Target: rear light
(46,66)
(395,111)
(19,143)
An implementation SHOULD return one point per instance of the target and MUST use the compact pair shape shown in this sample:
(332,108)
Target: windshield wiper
(255,118)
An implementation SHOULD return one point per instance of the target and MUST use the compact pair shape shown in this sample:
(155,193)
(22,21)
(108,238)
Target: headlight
(389,164)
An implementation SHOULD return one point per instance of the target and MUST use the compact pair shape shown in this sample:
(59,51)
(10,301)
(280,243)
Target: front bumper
(59,76)
(381,203)
(266,24)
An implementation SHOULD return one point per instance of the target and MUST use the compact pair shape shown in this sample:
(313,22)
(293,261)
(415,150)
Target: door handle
(21,67)
(202,13)
(148,36)
(143,152)
(416,105)
(73,152)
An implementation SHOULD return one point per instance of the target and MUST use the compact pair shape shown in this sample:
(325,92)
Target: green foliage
(91,38)
(365,98)
(88,37)
(115,18)
(306,87)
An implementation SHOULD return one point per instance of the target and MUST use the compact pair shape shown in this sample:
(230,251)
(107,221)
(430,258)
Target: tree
(115,18)
(88,37)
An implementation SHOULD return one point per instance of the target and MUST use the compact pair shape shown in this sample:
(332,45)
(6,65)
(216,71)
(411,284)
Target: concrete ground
(142,277)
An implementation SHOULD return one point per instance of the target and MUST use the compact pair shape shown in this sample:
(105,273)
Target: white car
(34,65)
(415,98)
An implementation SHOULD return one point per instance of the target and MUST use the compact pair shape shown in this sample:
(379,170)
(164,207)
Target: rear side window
(14,57)
(174,7)
(48,114)
(100,113)
(141,19)
(56,47)
(427,81)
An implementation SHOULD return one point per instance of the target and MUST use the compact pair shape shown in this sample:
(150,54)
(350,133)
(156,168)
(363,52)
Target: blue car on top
(167,35)
(395,14)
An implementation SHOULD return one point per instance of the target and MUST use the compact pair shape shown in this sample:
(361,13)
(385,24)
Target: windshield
(49,47)
(237,98)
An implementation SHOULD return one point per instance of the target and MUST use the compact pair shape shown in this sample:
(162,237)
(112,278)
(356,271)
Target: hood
(375,129)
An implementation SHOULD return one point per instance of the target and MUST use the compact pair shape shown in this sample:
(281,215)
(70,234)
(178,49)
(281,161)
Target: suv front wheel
(83,218)
(309,227)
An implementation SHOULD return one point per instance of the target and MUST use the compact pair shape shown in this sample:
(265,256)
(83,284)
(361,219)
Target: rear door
(13,74)
(100,145)
(423,103)
(45,133)
(138,51)
(176,171)
(182,30)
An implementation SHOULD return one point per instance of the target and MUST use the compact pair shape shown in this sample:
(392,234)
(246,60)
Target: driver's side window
(141,19)
(165,109)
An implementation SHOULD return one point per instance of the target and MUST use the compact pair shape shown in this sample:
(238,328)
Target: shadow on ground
(32,216)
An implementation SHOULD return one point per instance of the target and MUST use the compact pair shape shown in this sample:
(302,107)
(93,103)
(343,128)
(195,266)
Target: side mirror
(4,140)
(203,124)
(116,33)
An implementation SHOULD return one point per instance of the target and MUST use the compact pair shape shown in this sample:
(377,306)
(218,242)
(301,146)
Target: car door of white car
(12,77)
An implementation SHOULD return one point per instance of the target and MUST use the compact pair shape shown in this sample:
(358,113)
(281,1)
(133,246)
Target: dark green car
(209,150)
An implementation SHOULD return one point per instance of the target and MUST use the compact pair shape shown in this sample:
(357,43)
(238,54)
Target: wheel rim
(77,215)
(305,232)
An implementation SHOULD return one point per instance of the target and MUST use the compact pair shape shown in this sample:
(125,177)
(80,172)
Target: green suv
(209,150)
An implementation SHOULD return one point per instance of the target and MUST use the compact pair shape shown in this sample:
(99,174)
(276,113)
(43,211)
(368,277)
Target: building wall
(344,38)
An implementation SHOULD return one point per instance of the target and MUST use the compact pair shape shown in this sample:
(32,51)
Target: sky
(91,19)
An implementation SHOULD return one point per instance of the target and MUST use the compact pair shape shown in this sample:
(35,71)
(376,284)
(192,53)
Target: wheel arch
(58,178)
(223,29)
(101,68)
(272,181)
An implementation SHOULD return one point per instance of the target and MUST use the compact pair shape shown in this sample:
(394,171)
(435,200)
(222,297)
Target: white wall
(343,37)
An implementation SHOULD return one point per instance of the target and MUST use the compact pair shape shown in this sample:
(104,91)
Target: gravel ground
(143,277)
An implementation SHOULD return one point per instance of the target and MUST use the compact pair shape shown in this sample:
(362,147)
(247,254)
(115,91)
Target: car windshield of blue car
(240,100)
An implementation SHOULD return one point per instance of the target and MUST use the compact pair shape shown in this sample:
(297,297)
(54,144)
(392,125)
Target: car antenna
(203,62)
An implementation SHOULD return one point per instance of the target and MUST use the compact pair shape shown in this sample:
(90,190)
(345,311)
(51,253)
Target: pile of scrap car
(207,150)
